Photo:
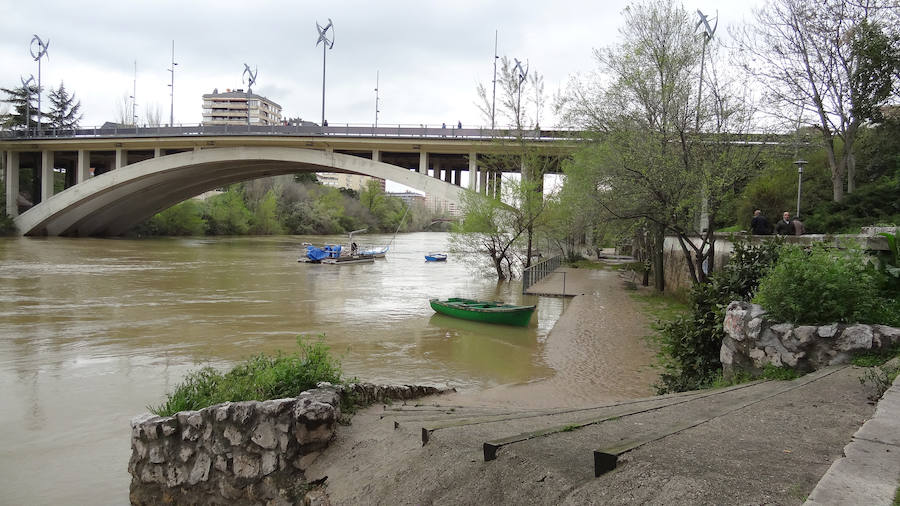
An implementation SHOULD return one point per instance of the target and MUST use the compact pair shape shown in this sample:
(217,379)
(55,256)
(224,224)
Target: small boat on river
(333,254)
(482,311)
(436,257)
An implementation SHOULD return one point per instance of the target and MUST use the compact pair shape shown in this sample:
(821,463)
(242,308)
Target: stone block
(245,465)
(242,412)
(200,469)
(855,338)
(157,454)
(268,463)
(221,411)
(264,435)
(234,435)
(828,331)
(184,454)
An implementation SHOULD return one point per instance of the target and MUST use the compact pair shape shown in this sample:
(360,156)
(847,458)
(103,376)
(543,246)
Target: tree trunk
(658,270)
(851,171)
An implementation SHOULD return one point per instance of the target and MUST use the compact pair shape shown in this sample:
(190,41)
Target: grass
(876,357)
(259,378)
(665,306)
(769,372)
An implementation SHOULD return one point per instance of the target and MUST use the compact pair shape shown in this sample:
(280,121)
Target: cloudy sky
(429,55)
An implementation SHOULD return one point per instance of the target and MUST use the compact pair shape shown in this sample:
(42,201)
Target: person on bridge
(784,225)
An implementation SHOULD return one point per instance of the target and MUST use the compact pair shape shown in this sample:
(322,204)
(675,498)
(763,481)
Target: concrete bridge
(117,177)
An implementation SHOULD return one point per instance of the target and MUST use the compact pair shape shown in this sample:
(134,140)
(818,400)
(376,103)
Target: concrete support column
(473,170)
(157,152)
(423,163)
(120,155)
(437,168)
(376,155)
(46,175)
(12,183)
(83,169)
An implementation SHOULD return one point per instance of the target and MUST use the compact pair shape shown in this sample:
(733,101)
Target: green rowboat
(481,311)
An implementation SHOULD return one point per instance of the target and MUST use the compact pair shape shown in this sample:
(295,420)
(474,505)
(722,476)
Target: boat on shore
(436,257)
(484,311)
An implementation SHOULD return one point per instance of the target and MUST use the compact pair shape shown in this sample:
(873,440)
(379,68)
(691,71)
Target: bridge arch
(112,203)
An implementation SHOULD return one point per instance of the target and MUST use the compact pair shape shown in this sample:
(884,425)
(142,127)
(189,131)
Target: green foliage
(265,219)
(890,260)
(226,214)
(876,202)
(181,219)
(874,358)
(65,110)
(258,378)
(880,379)
(689,344)
(823,286)
(24,103)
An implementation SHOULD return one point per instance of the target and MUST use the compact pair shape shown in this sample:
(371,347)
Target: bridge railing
(346,130)
(538,271)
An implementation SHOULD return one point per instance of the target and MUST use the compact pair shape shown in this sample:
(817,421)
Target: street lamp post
(326,45)
(376,99)
(41,52)
(251,80)
(172,91)
(799,164)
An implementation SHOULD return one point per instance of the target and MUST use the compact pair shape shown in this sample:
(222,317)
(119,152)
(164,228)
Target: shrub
(821,286)
(872,203)
(689,344)
(258,378)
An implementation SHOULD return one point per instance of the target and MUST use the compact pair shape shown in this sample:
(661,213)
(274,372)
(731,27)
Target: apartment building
(235,107)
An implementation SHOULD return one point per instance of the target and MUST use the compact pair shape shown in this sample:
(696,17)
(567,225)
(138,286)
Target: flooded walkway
(598,347)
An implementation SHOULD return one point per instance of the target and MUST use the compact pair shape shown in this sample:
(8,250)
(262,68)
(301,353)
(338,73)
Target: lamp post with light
(799,164)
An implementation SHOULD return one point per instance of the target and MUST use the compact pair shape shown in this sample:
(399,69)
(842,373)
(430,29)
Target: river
(92,331)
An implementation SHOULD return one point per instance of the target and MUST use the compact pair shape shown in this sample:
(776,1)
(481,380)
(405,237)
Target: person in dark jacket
(759,225)
(784,225)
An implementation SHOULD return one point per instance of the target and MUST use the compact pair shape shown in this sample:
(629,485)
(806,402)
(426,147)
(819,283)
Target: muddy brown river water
(92,331)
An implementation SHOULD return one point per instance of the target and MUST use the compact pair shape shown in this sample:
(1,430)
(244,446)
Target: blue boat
(436,257)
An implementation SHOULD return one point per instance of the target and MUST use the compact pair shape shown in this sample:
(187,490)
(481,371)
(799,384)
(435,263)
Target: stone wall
(243,452)
(752,341)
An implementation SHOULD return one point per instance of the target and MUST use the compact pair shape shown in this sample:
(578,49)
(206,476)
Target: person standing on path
(759,225)
(784,225)
(799,228)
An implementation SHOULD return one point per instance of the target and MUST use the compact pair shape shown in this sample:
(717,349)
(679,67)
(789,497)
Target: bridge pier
(473,170)
(46,175)
(12,183)
(423,163)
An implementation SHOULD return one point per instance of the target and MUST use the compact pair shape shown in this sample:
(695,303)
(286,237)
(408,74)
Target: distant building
(231,108)
(408,198)
(354,182)
(444,207)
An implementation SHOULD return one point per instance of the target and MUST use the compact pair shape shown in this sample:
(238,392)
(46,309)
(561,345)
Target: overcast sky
(429,55)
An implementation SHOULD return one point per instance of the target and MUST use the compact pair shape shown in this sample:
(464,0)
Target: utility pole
(494,96)
(376,99)
(172,91)
(133,98)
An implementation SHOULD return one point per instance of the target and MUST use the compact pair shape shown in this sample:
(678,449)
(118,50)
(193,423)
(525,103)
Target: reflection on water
(94,330)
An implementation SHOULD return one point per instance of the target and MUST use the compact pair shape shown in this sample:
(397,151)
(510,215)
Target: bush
(822,286)
(257,379)
(872,203)
(689,345)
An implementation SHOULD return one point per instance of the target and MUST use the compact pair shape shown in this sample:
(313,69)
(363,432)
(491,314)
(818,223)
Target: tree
(152,115)
(226,214)
(659,158)
(64,109)
(514,83)
(830,63)
(24,103)
(265,220)
(488,227)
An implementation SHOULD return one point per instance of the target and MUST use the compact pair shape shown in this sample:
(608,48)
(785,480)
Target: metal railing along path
(538,271)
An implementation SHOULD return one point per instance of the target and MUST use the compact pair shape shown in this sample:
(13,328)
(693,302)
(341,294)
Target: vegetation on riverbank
(258,378)
(287,205)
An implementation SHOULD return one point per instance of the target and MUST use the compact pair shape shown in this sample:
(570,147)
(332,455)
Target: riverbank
(765,442)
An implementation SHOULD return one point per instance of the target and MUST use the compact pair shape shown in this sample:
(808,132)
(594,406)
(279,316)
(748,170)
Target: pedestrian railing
(538,271)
